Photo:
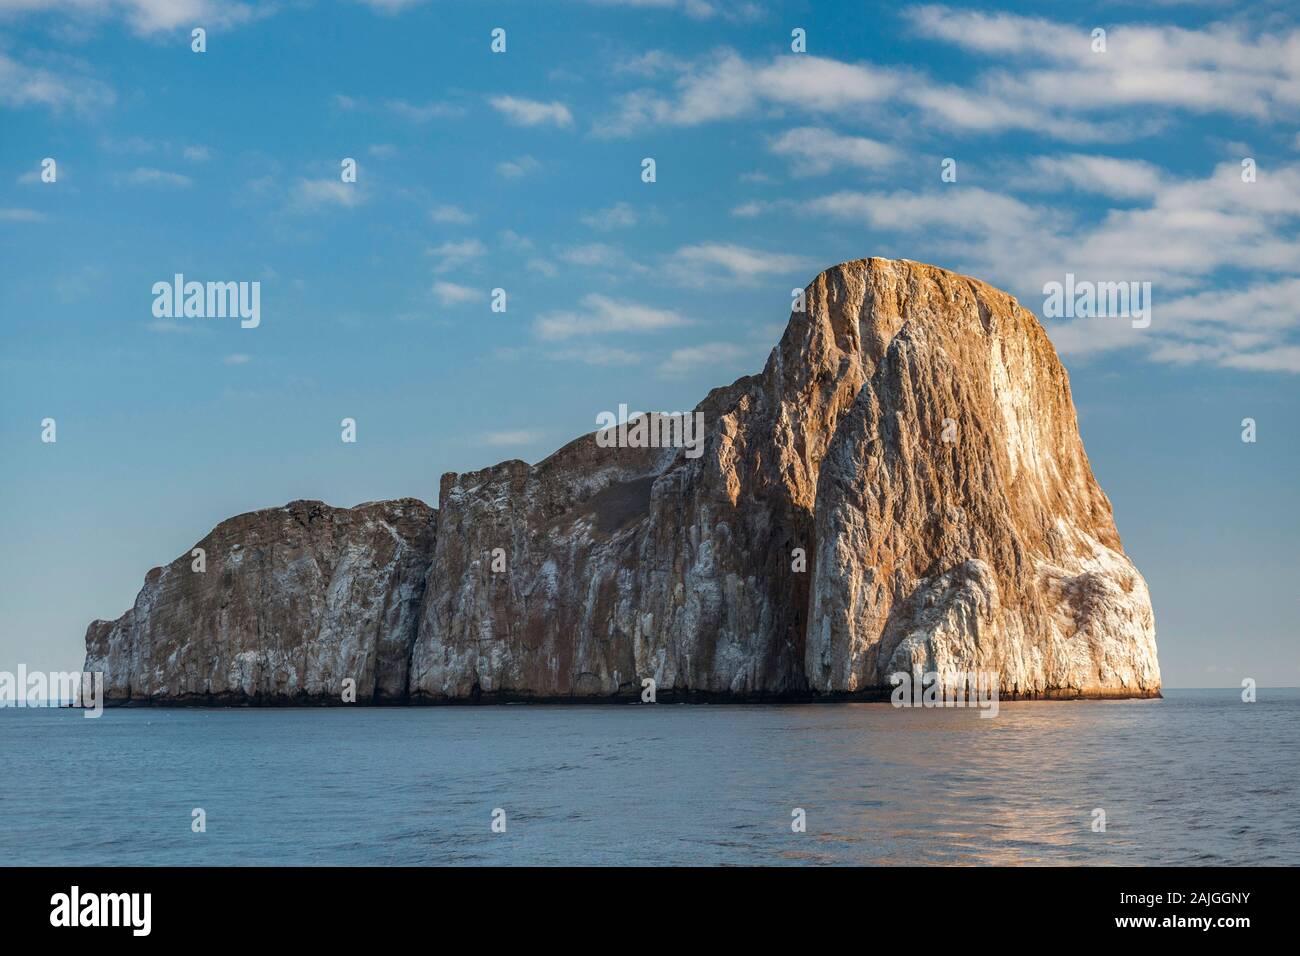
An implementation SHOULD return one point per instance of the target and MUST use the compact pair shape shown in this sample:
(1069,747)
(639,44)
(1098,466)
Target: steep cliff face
(911,438)
(958,523)
(291,601)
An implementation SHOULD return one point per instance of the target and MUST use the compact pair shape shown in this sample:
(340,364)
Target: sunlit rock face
(958,523)
(903,487)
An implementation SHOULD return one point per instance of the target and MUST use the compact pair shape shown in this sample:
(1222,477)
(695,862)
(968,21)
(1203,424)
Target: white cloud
(146,17)
(710,262)
(517,168)
(451,294)
(391,7)
(600,314)
(450,214)
(698,9)
(1281,359)
(1193,228)
(453,254)
(1104,175)
(316,193)
(610,259)
(650,64)
(197,154)
(962,208)
(522,436)
(725,86)
(423,112)
(815,151)
(1246,328)
(513,240)
(596,355)
(1042,77)
(147,176)
(711,355)
(21,215)
(238,358)
(523,112)
(1192,239)
(590,255)
(1221,68)
(23,85)
(618,216)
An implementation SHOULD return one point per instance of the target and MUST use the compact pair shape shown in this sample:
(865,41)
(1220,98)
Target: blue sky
(522,171)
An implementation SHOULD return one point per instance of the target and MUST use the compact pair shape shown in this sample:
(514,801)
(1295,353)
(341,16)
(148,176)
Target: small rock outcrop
(903,487)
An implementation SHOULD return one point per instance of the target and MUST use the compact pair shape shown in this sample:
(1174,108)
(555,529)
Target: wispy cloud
(522,436)
(524,112)
(1221,254)
(1104,175)
(145,17)
(599,314)
(711,262)
(319,193)
(814,151)
(148,176)
(1222,68)
(21,215)
(452,255)
(451,214)
(591,255)
(1059,86)
(424,112)
(707,355)
(618,216)
(724,86)
(25,85)
(451,294)
(391,7)
(518,168)
(596,354)
(965,209)
(696,9)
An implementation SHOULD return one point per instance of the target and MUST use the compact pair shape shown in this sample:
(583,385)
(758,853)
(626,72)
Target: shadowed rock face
(292,601)
(912,432)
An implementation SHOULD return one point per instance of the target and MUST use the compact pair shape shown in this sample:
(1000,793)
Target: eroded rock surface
(912,433)
(958,522)
(293,600)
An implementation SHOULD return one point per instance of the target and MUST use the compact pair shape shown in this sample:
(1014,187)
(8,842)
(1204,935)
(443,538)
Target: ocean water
(1196,778)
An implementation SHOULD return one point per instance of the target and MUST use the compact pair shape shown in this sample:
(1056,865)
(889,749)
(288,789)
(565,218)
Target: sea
(1198,778)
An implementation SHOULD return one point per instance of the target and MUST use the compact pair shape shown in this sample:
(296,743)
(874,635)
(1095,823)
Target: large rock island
(903,487)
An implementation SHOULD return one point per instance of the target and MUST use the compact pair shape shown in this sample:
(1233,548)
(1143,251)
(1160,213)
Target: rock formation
(291,602)
(903,487)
